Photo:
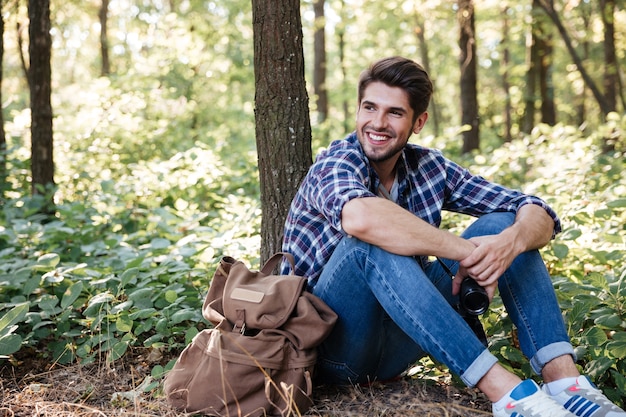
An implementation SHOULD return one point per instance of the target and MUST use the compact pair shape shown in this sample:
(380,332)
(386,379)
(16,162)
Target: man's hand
(493,254)
(491,257)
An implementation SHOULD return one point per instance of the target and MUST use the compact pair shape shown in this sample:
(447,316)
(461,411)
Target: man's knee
(490,224)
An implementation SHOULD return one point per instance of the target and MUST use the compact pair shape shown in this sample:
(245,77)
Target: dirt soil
(33,388)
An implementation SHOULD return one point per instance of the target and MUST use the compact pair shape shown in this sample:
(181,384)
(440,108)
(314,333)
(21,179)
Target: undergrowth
(127,259)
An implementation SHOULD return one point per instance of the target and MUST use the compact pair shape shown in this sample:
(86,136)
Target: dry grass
(115,391)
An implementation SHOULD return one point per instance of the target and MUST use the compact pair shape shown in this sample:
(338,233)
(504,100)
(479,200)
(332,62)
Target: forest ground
(34,388)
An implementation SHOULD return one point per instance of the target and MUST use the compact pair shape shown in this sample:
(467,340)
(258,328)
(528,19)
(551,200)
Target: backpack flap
(258,299)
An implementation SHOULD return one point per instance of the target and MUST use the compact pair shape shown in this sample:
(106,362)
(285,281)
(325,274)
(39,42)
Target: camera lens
(473,297)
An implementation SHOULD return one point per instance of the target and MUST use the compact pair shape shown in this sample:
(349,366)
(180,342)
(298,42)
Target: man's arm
(385,224)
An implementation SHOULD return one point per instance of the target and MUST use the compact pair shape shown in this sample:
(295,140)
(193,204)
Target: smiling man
(363,227)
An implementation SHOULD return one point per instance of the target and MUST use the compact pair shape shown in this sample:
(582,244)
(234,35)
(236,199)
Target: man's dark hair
(400,72)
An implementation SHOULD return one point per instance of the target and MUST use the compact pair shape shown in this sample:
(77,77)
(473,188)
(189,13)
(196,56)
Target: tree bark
(610,58)
(3,140)
(420,28)
(104,39)
(532,64)
(340,29)
(543,41)
(319,65)
(283,128)
(506,62)
(469,99)
(39,76)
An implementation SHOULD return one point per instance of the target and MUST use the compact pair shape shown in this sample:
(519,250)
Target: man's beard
(382,154)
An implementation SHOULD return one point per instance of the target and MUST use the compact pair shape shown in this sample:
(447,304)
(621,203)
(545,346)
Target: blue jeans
(392,311)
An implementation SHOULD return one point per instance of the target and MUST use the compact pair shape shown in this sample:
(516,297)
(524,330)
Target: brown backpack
(258,359)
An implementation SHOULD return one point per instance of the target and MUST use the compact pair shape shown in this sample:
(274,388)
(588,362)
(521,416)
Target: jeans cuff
(481,365)
(547,353)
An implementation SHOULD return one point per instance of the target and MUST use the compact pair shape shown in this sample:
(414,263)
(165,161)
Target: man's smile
(377,137)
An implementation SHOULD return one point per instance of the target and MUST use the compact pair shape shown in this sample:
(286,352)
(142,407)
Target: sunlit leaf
(48,260)
(118,350)
(570,234)
(160,243)
(10,343)
(620,202)
(71,294)
(560,250)
(594,337)
(124,323)
(13,316)
(598,367)
(608,321)
(128,275)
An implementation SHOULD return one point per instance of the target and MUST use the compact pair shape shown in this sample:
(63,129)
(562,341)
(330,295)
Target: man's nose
(379,120)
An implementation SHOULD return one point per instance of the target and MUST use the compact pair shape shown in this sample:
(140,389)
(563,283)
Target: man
(363,226)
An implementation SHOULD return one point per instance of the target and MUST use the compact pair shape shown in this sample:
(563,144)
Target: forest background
(159,159)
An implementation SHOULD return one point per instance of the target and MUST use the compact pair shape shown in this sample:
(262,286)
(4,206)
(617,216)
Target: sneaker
(585,400)
(527,400)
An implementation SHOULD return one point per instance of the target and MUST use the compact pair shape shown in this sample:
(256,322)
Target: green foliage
(125,264)
(156,174)
(586,260)
(127,261)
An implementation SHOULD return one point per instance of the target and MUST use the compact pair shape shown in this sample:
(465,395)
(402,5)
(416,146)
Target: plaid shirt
(427,184)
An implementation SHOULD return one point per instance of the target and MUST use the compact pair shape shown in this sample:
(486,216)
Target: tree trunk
(611,82)
(319,66)
(548,7)
(544,65)
(610,79)
(421,39)
(340,29)
(3,140)
(19,29)
(104,39)
(532,64)
(42,164)
(283,128)
(506,62)
(469,100)
(581,100)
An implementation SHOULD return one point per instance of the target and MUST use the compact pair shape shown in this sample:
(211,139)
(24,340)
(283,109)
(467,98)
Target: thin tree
(340,29)
(611,66)
(283,127)
(506,62)
(544,66)
(469,99)
(585,47)
(39,77)
(105,69)
(420,29)
(532,70)
(611,74)
(3,140)
(319,64)
(19,27)
(548,7)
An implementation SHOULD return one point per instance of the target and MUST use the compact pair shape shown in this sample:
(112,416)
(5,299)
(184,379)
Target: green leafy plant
(124,265)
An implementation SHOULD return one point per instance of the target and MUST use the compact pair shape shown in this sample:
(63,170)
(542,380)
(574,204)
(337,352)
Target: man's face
(385,122)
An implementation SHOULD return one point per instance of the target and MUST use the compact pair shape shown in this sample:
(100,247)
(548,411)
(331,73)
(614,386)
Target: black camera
(473,299)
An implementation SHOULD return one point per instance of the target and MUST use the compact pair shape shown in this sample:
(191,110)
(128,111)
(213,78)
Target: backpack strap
(272,262)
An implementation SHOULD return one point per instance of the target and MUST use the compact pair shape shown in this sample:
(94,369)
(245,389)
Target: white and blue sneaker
(583,399)
(528,400)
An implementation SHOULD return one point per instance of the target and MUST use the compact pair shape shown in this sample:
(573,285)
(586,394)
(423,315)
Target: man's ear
(420,122)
